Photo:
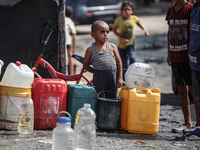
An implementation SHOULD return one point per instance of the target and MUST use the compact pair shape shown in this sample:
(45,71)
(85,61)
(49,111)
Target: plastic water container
(78,94)
(50,98)
(16,102)
(26,122)
(17,75)
(85,129)
(124,92)
(140,110)
(140,75)
(63,134)
(1,65)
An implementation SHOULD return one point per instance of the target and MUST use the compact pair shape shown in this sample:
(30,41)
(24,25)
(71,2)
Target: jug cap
(87,105)
(63,120)
(18,63)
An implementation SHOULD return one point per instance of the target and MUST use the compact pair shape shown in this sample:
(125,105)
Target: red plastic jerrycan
(49,98)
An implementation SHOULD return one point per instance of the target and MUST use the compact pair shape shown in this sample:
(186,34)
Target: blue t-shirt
(194,45)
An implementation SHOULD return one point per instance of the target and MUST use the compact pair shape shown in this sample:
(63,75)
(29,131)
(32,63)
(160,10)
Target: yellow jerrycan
(140,110)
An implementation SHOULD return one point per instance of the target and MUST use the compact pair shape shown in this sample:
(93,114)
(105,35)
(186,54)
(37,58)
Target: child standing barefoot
(178,19)
(107,66)
(194,55)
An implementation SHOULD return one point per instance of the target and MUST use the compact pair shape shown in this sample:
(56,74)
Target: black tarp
(21,27)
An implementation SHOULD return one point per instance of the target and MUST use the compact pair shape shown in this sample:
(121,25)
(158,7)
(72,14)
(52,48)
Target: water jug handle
(65,113)
(104,93)
(142,90)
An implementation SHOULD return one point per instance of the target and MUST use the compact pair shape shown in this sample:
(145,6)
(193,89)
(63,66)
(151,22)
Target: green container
(78,94)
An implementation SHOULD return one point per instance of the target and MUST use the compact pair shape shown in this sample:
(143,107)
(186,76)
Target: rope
(5,112)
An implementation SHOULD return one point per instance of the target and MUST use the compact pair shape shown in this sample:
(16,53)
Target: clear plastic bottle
(85,129)
(26,122)
(63,135)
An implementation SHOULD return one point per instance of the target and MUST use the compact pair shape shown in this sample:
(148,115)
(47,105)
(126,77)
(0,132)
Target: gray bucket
(108,111)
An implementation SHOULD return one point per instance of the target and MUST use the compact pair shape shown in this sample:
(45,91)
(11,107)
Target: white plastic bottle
(26,122)
(85,129)
(63,135)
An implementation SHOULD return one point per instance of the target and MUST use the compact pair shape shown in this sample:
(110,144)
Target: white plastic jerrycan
(1,65)
(140,75)
(18,75)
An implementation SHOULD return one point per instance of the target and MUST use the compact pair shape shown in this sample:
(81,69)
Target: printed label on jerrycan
(50,105)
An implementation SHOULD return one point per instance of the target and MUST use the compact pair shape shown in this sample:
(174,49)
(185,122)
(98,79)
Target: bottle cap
(87,105)
(63,119)
(18,63)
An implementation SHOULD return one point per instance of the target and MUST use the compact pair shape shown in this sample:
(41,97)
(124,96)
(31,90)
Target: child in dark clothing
(178,18)
(194,55)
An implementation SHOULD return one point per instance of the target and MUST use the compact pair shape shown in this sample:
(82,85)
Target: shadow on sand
(169,99)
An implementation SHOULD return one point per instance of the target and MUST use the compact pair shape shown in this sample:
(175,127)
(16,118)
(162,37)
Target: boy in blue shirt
(194,56)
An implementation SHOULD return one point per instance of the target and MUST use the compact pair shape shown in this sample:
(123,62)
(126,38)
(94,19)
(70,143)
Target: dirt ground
(152,50)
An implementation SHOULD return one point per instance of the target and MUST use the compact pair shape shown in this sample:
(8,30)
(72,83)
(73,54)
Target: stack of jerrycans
(15,93)
(77,95)
(140,110)
(141,105)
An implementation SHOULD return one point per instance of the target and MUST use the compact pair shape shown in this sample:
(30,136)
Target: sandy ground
(152,50)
